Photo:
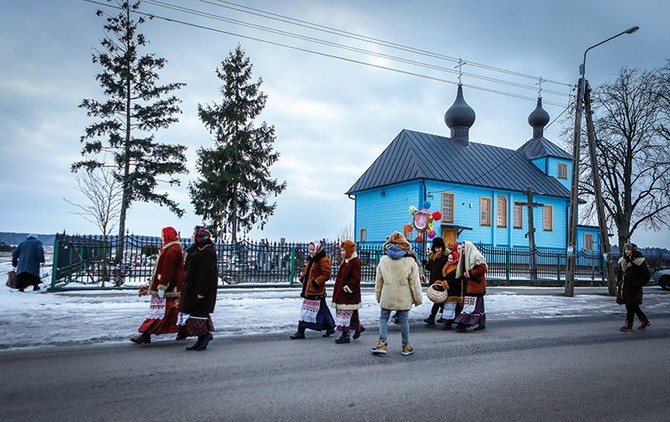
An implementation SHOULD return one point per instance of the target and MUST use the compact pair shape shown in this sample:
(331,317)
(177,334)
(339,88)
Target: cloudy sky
(378,67)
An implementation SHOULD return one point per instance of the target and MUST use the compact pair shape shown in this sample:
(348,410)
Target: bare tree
(633,155)
(345,232)
(105,194)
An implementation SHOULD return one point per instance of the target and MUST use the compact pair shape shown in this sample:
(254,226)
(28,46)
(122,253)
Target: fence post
(558,267)
(291,271)
(54,263)
(508,264)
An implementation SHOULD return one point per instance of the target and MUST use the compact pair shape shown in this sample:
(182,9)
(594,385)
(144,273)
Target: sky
(39,319)
(334,109)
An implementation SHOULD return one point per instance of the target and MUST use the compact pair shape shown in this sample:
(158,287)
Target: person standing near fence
(314,312)
(633,274)
(397,288)
(27,258)
(472,268)
(198,298)
(347,293)
(165,287)
(454,303)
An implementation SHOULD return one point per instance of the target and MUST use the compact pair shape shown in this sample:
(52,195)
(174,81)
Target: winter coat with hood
(169,271)
(314,276)
(633,274)
(397,284)
(200,278)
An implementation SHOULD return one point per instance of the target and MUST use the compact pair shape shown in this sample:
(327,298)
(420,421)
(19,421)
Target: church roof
(417,155)
(541,147)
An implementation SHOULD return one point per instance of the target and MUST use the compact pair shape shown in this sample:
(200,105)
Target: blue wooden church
(482,191)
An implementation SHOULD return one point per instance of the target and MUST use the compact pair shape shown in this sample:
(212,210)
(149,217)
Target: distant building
(479,189)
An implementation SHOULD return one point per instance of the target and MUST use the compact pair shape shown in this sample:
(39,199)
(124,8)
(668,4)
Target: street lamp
(574,194)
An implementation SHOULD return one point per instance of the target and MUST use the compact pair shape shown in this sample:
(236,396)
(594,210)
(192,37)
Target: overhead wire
(341,46)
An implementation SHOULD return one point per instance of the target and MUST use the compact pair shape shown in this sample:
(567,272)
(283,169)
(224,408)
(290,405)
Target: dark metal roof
(541,147)
(416,155)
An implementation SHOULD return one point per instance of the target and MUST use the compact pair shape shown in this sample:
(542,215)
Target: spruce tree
(233,190)
(134,109)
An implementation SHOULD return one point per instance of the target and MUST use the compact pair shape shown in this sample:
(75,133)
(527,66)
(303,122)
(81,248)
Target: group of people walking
(182,289)
(460,272)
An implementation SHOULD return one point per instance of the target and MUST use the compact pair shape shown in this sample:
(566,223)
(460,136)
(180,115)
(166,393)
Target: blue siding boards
(418,167)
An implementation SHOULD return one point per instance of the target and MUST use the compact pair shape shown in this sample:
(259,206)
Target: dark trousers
(26,279)
(632,310)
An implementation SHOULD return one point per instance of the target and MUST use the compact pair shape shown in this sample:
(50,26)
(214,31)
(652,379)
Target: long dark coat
(349,274)
(201,278)
(633,274)
(435,264)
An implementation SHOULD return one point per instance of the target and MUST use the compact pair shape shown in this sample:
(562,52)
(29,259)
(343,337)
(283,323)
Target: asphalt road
(535,369)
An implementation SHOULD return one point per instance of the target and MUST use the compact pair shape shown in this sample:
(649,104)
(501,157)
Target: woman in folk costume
(347,293)
(633,274)
(472,268)
(454,303)
(314,313)
(437,259)
(165,287)
(198,298)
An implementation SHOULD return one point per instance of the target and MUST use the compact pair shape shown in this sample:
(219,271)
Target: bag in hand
(11,279)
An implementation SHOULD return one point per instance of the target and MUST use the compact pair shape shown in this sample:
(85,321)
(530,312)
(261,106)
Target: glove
(314,284)
(347,289)
(161,293)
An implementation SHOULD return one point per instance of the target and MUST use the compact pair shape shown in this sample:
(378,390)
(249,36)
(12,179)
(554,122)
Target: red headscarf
(169,235)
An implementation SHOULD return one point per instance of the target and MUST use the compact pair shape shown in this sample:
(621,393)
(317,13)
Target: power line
(203,14)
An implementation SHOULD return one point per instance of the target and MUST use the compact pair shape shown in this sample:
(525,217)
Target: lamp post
(574,194)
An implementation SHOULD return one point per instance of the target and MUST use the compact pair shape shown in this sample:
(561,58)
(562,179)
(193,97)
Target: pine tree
(135,108)
(232,192)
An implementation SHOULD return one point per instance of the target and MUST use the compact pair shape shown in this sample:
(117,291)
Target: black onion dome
(538,119)
(460,114)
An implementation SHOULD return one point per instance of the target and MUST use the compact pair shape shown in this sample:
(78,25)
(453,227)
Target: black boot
(357,333)
(344,338)
(329,332)
(430,320)
(461,328)
(199,343)
(300,334)
(205,341)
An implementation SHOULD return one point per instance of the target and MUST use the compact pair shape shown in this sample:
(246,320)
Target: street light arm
(582,70)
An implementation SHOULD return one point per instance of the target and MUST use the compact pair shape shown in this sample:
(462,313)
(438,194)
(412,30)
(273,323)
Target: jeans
(384,325)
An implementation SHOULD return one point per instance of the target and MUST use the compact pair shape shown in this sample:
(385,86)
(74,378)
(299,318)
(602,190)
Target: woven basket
(436,294)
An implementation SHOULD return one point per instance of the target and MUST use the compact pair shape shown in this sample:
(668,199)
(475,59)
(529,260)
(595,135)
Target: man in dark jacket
(27,257)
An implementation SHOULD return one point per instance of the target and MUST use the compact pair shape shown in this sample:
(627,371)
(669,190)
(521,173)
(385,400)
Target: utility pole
(531,230)
(605,248)
(574,199)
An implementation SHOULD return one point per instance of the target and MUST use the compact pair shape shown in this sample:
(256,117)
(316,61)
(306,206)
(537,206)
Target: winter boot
(627,327)
(142,338)
(329,332)
(430,320)
(357,333)
(479,327)
(198,344)
(344,338)
(204,341)
(407,350)
(644,325)
(461,328)
(300,334)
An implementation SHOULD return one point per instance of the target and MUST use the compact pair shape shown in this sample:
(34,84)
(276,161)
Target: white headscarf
(470,257)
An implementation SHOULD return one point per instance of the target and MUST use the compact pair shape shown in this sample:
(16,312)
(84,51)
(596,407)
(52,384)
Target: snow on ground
(87,317)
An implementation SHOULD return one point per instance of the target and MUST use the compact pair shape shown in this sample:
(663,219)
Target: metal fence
(91,262)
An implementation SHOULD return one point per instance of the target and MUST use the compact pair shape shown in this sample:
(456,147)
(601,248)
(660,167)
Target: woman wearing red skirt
(165,287)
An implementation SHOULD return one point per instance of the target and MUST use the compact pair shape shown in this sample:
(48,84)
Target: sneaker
(380,349)
(644,325)
(627,328)
(407,350)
